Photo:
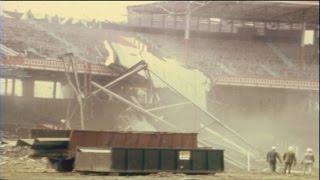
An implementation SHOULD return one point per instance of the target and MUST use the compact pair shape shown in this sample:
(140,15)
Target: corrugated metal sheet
(44,142)
(93,161)
(53,140)
(49,133)
(82,138)
(93,150)
(25,142)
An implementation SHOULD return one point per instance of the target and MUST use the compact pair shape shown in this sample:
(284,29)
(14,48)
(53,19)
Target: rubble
(167,174)
(16,158)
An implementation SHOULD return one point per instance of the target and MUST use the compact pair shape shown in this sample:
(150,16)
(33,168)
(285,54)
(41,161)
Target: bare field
(9,174)
(37,169)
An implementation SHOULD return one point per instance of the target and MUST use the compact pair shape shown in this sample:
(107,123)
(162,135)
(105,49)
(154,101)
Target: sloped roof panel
(282,11)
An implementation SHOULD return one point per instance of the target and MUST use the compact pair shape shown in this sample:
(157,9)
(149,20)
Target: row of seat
(235,57)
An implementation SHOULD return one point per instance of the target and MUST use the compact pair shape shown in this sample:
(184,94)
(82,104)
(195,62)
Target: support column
(76,89)
(54,89)
(175,22)
(6,86)
(209,25)
(187,31)
(187,21)
(302,45)
(13,86)
(85,81)
(315,35)
(28,88)
(316,51)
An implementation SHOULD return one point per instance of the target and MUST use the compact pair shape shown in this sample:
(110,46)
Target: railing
(55,65)
(266,82)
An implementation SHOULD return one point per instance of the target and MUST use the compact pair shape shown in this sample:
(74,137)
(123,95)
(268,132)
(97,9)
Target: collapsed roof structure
(280,11)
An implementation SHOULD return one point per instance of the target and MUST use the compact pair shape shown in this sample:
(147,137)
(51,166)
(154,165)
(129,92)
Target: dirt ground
(15,164)
(24,171)
(21,174)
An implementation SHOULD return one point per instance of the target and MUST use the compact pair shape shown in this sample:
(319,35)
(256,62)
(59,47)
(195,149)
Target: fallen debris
(167,174)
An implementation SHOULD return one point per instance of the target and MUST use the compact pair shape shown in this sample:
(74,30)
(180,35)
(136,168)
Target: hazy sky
(101,10)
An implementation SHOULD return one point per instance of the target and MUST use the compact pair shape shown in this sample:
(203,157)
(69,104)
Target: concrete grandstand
(246,63)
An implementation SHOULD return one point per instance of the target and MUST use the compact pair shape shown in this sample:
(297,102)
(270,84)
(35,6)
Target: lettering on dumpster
(184,155)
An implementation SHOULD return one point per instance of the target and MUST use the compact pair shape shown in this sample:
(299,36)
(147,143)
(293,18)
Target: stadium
(243,75)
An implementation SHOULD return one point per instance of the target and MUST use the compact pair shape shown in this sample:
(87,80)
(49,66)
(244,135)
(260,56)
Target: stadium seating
(24,38)
(219,57)
(88,42)
(28,39)
(213,56)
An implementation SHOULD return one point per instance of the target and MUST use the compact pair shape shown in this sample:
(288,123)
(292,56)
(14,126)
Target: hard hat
(290,148)
(309,150)
(273,147)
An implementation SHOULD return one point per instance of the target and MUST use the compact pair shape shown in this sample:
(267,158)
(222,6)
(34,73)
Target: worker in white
(308,161)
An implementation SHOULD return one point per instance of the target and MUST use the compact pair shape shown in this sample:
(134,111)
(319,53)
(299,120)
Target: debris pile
(16,158)
(167,174)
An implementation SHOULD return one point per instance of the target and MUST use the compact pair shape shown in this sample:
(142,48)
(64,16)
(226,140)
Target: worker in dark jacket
(272,158)
(289,159)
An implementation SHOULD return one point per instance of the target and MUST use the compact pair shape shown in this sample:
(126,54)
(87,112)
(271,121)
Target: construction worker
(289,159)
(308,161)
(272,158)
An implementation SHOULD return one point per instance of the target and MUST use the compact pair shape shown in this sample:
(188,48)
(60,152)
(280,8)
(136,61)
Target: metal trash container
(150,160)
